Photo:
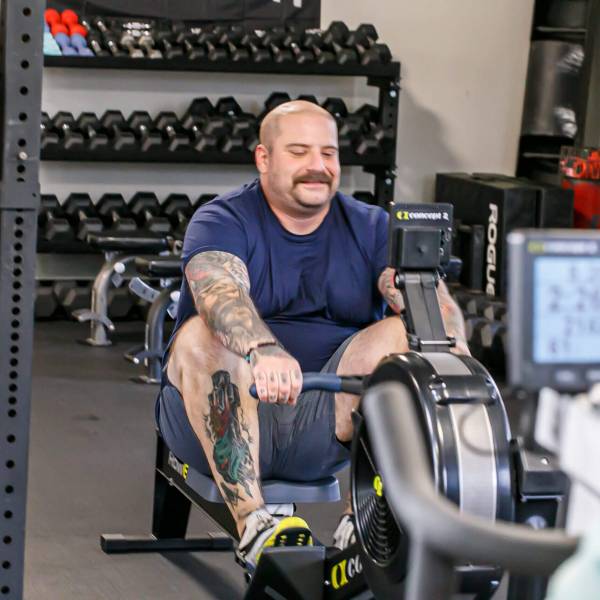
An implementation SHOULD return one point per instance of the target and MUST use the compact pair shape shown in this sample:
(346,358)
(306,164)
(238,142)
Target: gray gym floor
(91,472)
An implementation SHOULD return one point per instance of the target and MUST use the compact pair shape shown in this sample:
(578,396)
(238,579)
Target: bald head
(297,159)
(271,125)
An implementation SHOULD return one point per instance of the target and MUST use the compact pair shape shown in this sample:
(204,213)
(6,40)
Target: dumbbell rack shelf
(192,156)
(389,70)
(384,76)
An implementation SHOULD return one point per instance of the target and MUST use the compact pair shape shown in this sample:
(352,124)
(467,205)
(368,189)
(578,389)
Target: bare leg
(360,358)
(214,384)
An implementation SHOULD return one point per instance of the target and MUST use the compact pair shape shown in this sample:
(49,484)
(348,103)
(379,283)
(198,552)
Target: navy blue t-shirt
(312,290)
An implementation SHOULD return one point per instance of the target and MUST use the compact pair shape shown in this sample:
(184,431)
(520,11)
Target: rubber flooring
(91,472)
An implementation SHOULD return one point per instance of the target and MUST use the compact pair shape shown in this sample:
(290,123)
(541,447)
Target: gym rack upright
(21,26)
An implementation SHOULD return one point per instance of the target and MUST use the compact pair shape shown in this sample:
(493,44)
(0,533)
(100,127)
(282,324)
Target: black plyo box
(470,247)
(497,202)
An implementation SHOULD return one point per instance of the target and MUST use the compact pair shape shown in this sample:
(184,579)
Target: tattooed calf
(230,436)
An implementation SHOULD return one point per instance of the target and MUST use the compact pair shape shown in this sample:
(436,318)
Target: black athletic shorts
(297,443)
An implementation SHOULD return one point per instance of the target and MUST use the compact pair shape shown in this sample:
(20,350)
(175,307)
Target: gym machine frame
(21,24)
(386,77)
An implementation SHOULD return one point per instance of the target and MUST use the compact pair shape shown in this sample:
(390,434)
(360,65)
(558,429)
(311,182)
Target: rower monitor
(554,309)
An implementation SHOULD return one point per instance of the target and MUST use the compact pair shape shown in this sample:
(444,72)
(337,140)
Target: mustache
(313,177)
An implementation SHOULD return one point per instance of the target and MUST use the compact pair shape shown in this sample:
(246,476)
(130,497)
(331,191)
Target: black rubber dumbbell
(209,39)
(215,126)
(49,137)
(336,107)
(483,306)
(313,41)
(334,40)
(82,215)
(53,225)
(166,42)
(122,137)
(145,209)
(175,136)
(473,328)
(496,311)
(258,53)
(208,133)
(365,35)
(129,43)
(89,125)
(178,209)
(101,25)
(369,113)
(110,41)
(350,129)
(235,40)
(96,43)
(374,137)
(274,39)
(64,123)
(293,41)
(146,43)
(115,213)
(207,126)
(73,295)
(189,44)
(239,124)
(200,107)
(363,40)
(378,53)
(371,141)
(487,342)
(112,44)
(46,304)
(142,125)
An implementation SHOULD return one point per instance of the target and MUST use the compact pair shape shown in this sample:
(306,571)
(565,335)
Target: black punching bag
(553,89)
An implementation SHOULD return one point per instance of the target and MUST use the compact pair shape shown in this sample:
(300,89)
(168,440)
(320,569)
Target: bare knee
(361,357)
(387,336)
(196,353)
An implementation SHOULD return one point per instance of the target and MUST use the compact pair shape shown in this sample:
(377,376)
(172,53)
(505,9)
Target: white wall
(463,76)
(464,64)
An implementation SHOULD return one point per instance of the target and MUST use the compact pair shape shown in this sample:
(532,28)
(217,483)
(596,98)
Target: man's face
(302,169)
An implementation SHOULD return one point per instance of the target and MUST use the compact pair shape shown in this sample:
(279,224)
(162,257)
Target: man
(282,276)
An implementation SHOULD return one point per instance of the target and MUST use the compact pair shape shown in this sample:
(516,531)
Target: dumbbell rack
(386,77)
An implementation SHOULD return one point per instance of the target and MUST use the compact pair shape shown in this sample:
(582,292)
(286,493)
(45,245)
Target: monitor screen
(566,310)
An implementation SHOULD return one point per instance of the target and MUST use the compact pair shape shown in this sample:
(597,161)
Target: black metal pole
(21,25)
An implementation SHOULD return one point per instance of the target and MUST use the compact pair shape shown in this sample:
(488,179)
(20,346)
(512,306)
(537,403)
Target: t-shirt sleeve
(213,227)
(380,259)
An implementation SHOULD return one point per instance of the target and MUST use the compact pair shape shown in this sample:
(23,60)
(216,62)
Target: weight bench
(163,302)
(177,486)
(119,249)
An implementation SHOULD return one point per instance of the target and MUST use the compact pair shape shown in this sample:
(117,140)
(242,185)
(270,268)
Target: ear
(261,158)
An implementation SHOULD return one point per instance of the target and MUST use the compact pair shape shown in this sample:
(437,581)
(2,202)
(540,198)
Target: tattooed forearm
(231,437)
(220,286)
(391,294)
